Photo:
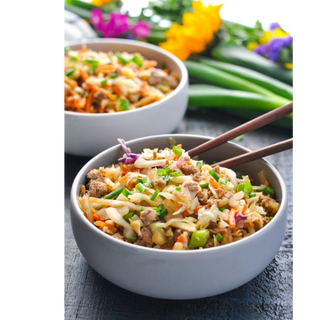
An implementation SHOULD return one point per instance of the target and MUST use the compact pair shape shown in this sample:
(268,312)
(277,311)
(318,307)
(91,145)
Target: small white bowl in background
(88,134)
(189,274)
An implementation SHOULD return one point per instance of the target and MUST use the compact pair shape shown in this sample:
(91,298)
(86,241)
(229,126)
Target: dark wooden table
(88,296)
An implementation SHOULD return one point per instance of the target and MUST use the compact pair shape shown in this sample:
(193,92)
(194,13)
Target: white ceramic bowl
(89,134)
(180,274)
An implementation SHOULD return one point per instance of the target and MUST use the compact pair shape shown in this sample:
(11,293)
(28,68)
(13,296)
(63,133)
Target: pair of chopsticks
(244,128)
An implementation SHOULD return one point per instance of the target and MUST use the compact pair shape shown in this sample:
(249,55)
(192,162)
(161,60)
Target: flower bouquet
(239,69)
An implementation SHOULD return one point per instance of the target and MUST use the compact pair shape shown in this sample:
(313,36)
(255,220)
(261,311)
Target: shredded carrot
(123,179)
(214,183)
(180,238)
(231,218)
(111,96)
(107,67)
(81,104)
(196,210)
(95,216)
(179,146)
(84,48)
(185,213)
(70,82)
(89,101)
(166,71)
(84,74)
(99,224)
(117,91)
(124,169)
(148,64)
(245,207)
(93,87)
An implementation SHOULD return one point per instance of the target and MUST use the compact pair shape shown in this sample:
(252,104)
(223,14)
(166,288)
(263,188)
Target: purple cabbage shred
(129,157)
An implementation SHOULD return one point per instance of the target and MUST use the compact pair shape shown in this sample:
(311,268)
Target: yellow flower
(100,3)
(280,33)
(195,33)
(288,65)
(252,45)
(267,35)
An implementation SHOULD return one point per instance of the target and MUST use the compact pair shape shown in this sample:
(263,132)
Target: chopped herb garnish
(199,164)
(163,65)
(145,181)
(126,192)
(161,172)
(204,185)
(121,59)
(124,104)
(140,187)
(175,174)
(70,71)
(162,213)
(166,179)
(132,239)
(114,193)
(178,188)
(219,236)
(104,82)
(214,175)
(223,181)
(178,151)
(128,216)
(153,197)
(223,208)
(251,195)
(270,218)
(137,60)
(113,75)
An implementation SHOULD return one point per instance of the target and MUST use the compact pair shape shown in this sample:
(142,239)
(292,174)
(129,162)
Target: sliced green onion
(178,151)
(204,185)
(247,188)
(175,174)
(166,179)
(104,82)
(240,187)
(268,190)
(163,65)
(91,61)
(199,238)
(219,236)
(124,104)
(160,206)
(178,188)
(113,75)
(67,49)
(199,164)
(223,208)
(137,60)
(214,175)
(128,216)
(145,181)
(167,170)
(126,192)
(114,193)
(223,181)
(270,218)
(153,197)
(161,172)
(70,71)
(162,214)
(251,195)
(132,239)
(140,187)
(72,58)
(121,59)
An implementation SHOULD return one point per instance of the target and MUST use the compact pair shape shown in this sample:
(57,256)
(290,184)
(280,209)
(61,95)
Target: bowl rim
(229,246)
(183,81)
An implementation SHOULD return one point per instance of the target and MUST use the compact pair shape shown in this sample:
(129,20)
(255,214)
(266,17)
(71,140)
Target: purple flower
(97,18)
(272,49)
(116,25)
(141,29)
(274,26)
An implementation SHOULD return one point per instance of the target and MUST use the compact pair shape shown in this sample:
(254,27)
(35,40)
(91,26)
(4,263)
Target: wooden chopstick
(244,128)
(253,155)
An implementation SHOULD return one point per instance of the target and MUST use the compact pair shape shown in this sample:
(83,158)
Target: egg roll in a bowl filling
(163,199)
(108,82)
